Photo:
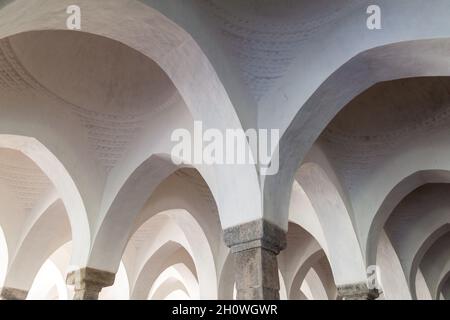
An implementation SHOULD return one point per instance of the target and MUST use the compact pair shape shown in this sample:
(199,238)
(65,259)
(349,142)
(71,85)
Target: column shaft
(257,274)
(255,246)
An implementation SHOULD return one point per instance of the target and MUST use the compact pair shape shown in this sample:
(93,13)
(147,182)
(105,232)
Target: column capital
(357,291)
(7,293)
(89,282)
(255,234)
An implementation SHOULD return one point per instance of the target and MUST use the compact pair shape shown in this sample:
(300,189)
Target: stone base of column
(12,294)
(357,291)
(89,282)
(255,246)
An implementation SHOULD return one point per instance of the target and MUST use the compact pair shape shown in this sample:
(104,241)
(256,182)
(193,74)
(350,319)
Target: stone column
(12,294)
(89,282)
(255,246)
(357,291)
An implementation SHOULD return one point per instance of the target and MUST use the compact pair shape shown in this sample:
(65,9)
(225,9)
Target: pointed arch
(418,258)
(393,198)
(127,204)
(182,234)
(359,73)
(176,52)
(178,273)
(342,244)
(38,245)
(63,183)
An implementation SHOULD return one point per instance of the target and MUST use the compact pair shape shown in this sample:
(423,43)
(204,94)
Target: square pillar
(255,246)
(89,282)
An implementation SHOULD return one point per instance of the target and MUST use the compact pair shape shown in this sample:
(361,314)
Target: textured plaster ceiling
(387,118)
(23,178)
(106,85)
(264,36)
(92,72)
(394,108)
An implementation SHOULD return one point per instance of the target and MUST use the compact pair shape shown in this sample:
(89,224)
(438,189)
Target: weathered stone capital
(255,234)
(89,282)
(12,294)
(357,291)
(91,275)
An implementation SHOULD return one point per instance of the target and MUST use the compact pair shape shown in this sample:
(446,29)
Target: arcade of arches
(92,206)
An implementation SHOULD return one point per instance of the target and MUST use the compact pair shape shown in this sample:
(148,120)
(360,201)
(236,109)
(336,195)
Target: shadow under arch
(434,266)
(392,199)
(444,282)
(432,238)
